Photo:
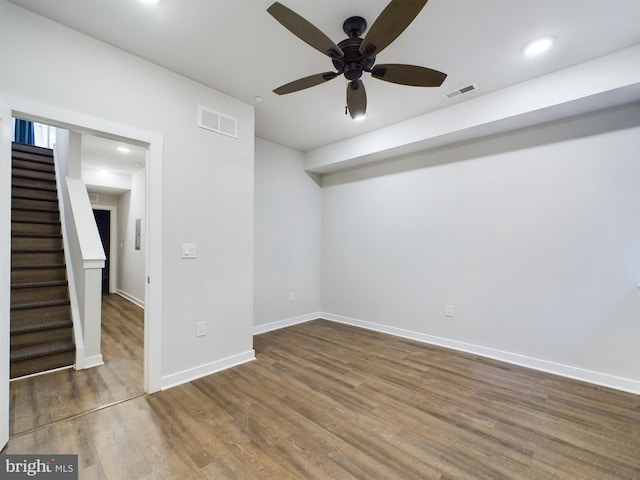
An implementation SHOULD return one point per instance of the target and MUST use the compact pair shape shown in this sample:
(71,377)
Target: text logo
(51,467)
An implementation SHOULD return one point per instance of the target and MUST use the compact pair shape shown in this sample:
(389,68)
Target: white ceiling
(102,154)
(105,169)
(236,47)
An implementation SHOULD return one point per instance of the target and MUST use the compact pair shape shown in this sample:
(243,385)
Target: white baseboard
(191,374)
(93,361)
(79,363)
(597,378)
(288,322)
(131,298)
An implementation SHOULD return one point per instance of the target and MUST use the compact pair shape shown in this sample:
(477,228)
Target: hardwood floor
(44,399)
(329,401)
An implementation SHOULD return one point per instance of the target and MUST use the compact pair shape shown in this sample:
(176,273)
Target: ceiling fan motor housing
(353,63)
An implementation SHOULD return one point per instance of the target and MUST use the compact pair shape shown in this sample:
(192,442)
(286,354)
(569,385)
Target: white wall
(207,190)
(131,262)
(533,236)
(107,199)
(98,178)
(287,238)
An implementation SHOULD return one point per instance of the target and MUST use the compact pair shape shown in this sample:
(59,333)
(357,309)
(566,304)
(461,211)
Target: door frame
(5,266)
(11,106)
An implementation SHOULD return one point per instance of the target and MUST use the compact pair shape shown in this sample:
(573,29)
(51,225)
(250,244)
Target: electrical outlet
(189,250)
(448,310)
(201,329)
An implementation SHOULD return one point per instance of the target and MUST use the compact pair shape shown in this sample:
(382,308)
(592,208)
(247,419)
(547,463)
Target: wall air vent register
(461,91)
(217,122)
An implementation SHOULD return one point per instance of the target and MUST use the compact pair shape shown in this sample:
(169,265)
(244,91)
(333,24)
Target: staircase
(41,326)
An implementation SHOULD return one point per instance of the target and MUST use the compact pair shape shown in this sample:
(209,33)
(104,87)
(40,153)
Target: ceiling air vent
(217,122)
(93,197)
(461,91)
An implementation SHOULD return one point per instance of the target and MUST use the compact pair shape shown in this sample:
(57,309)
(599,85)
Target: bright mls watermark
(52,467)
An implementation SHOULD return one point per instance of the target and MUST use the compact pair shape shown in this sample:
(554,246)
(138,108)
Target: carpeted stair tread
(38,164)
(38,267)
(52,283)
(33,174)
(41,325)
(37,250)
(33,165)
(35,235)
(37,222)
(33,183)
(35,209)
(37,351)
(25,176)
(42,304)
(29,148)
(35,187)
(28,197)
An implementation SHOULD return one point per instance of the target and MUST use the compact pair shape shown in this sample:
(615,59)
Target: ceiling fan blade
(356,99)
(306,82)
(393,20)
(304,30)
(408,75)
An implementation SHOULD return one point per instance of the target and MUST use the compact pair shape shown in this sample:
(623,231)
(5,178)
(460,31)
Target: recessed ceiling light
(123,149)
(537,46)
(258,99)
(150,2)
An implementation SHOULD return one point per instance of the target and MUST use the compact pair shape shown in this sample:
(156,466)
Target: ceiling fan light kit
(355,55)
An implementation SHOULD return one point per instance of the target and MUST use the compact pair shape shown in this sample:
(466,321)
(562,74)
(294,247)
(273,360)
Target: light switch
(189,250)
(201,329)
(448,310)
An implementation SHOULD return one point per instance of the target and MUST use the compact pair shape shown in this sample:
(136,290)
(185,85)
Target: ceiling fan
(355,55)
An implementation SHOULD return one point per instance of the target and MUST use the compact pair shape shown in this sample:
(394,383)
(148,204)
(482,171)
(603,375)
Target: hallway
(46,399)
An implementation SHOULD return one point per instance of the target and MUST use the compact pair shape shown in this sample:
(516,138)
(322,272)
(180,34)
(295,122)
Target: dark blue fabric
(24,132)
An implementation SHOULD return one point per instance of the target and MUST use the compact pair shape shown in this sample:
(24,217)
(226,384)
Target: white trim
(287,322)
(97,264)
(94,361)
(597,378)
(153,240)
(78,334)
(37,374)
(86,230)
(6,127)
(37,111)
(80,360)
(129,297)
(195,373)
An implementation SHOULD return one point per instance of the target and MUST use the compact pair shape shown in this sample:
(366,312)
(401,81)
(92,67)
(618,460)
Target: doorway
(121,376)
(103,222)
(83,123)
